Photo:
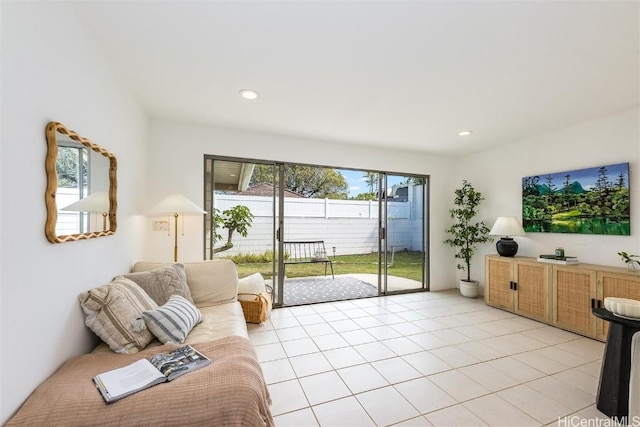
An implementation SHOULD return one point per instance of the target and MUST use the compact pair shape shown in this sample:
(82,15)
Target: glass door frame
(209,203)
(383,231)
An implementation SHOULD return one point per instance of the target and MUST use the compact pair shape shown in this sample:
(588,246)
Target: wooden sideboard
(559,295)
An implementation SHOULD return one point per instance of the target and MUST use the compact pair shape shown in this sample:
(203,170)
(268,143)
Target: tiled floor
(424,359)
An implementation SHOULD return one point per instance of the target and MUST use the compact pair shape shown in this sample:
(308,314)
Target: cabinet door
(615,285)
(497,292)
(532,290)
(573,292)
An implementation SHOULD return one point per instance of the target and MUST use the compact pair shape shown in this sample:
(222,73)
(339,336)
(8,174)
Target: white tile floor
(421,360)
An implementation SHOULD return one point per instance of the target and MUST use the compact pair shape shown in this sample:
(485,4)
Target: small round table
(613,390)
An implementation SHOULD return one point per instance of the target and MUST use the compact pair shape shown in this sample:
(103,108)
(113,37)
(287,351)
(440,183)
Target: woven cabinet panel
(532,281)
(620,287)
(573,303)
(498,281)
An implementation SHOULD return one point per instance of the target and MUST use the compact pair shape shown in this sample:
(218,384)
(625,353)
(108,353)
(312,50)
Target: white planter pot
(469,289)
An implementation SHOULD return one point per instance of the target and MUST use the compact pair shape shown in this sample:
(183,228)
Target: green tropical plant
(465,232)
(238,218)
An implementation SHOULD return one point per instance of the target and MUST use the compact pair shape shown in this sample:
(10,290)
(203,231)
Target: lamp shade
(507,226)
(176,203)
(94,202)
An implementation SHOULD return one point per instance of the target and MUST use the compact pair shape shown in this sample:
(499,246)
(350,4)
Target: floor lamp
(176,205)
(94,202)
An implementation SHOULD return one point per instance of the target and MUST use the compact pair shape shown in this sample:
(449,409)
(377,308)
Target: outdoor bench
(307,252)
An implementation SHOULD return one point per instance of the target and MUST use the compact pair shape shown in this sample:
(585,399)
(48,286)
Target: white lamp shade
(176,203)
(507,226)
(94,202)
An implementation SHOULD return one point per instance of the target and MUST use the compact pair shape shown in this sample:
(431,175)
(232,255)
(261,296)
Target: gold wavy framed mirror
(81,195)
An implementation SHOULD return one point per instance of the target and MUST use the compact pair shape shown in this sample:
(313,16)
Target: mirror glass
(81,187)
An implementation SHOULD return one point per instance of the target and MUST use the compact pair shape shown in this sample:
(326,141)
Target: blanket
(229,392)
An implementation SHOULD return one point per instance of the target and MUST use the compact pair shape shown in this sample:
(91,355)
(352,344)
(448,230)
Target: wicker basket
(256,310)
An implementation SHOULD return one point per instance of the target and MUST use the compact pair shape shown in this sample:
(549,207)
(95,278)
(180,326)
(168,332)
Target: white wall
(177,158)
(51,71)
(498,173)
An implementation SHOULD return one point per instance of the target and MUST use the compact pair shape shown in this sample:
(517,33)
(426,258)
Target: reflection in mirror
(81,187)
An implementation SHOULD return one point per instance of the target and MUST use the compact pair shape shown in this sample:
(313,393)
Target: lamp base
(507,247)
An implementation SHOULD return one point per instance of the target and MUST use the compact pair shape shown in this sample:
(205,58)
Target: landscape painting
(586,201)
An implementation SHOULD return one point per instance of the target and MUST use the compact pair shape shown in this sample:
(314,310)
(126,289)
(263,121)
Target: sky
(588,177)
(357,184)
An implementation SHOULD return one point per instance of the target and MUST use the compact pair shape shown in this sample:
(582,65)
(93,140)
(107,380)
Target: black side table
(613,391)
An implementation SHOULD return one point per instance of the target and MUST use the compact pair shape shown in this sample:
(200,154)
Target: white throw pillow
(172,322)
(253,284)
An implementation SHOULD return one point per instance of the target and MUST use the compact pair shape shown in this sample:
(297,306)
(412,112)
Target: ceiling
(407,75)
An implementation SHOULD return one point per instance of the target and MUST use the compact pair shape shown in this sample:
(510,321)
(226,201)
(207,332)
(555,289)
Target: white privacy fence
(348,226)
(313,208)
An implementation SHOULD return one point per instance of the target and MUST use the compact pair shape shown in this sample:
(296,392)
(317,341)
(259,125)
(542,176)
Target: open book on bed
(122,382)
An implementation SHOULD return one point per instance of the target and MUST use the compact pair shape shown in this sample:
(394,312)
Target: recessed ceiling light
(232,174)
(248,94)
(464,133)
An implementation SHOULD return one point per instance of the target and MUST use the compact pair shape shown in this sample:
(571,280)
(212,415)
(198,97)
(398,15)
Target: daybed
(229,392)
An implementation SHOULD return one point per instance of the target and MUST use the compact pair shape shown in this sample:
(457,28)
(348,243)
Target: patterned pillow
(113,311)
(163,282)
(172,322)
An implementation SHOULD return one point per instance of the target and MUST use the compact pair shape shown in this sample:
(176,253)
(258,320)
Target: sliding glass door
(403,233)
(317,233)
(241,201)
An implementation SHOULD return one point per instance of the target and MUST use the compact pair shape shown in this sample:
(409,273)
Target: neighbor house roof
(266,189)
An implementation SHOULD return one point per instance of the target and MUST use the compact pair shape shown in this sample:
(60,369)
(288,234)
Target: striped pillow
(172,322)
(112,312)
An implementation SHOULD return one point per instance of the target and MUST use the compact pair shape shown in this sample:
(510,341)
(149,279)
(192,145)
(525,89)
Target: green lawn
(406,264)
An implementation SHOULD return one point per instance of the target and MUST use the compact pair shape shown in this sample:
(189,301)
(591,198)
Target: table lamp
(507,226)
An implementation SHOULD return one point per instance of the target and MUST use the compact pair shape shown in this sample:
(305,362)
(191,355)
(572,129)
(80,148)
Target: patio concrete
(394,283)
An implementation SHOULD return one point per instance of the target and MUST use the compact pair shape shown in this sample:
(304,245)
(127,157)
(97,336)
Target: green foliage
(413,180)
(365,196)
(629,259)
(371,179)
(465,232)
(68,165)
(243,258)
(238,218)
(407,264)
(263,173)
(309,181)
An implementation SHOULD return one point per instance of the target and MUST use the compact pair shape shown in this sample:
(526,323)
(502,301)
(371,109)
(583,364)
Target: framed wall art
(586,201)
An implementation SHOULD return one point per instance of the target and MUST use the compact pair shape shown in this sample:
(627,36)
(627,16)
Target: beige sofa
(230,391)
(214,288)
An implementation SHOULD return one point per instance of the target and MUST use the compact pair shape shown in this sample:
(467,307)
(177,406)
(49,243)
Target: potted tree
(466,233)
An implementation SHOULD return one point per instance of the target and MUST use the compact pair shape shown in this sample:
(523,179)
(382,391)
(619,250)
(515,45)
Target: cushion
(253,284)
(113,311)
(160,283)
(211,282)
(172,322)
